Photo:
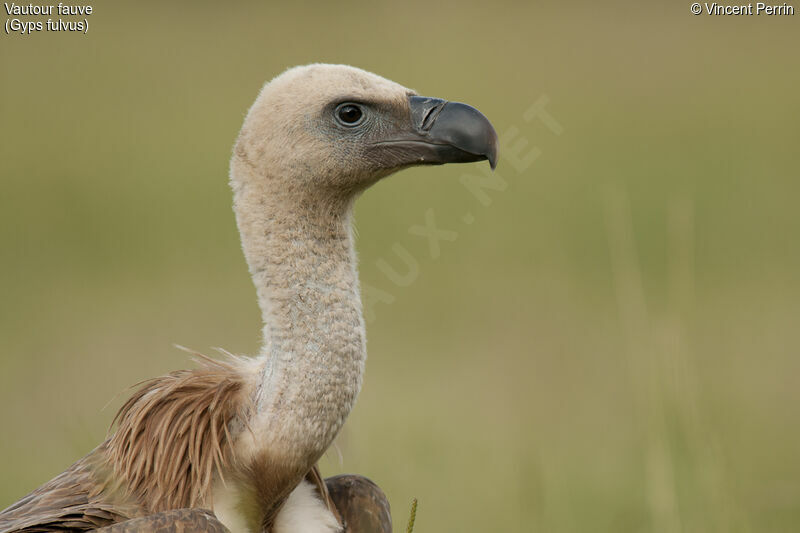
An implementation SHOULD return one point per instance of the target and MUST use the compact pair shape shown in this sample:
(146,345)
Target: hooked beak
(445,132)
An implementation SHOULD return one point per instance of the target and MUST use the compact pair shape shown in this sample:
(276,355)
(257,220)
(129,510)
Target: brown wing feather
(172,436)
(177,521)
(79,499)
(362,505)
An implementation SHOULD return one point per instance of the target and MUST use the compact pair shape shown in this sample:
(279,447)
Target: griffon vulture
(234,444)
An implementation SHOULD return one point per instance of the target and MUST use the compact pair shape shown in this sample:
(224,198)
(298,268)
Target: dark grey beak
(455,133)
(440,132)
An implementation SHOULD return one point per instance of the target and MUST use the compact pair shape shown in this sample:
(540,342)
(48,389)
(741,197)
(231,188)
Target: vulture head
(333,130)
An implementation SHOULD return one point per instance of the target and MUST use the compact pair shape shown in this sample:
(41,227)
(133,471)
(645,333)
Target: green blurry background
(612,345)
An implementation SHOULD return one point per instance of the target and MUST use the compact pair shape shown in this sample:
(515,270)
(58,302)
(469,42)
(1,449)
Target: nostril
(424,111)
(430,116)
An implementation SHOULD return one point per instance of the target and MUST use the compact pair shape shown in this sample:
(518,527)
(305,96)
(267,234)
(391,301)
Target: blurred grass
(612,345)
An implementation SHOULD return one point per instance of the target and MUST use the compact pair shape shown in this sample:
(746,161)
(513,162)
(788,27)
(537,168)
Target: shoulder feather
(173,434)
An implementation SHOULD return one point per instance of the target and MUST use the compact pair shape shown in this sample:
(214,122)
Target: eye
(349,114)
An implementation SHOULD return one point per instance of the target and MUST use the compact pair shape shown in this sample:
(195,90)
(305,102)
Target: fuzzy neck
(300,253)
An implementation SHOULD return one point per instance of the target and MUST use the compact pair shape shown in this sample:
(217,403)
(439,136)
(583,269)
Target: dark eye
(349,114)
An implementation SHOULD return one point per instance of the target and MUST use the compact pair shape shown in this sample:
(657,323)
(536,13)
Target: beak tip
(493,148)
(492,155)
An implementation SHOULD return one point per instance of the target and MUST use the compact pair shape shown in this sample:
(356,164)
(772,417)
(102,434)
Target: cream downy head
(326,132)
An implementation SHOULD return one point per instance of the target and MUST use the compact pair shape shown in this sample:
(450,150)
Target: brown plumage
(175,521)
(173,434)
(172,438)
(362,505)
(84,497)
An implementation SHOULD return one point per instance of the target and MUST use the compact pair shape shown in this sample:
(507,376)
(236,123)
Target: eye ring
(349,114)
